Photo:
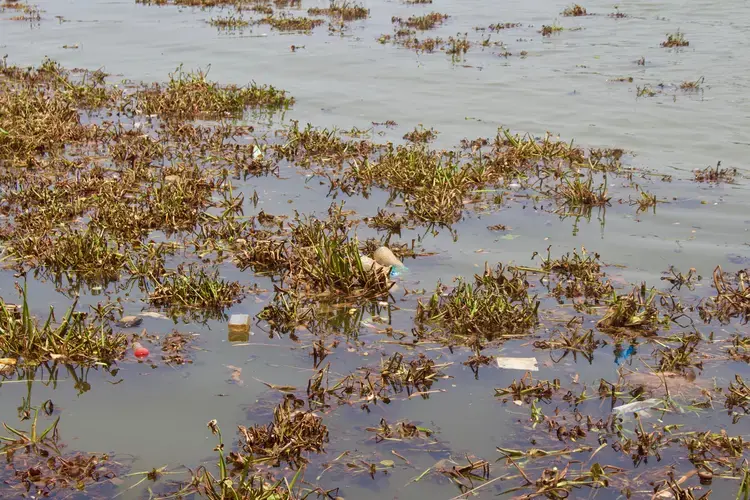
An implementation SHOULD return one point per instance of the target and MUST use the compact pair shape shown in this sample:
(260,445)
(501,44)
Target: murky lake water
(565,84)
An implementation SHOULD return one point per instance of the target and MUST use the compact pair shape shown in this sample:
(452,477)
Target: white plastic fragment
(637,406)
(529,364)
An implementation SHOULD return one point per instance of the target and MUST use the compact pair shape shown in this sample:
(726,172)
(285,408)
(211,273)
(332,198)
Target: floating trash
(637,406)
(624,355)
(239,328)
(140,351)
(129,321)
(367,262)
(385,257)
(529,364)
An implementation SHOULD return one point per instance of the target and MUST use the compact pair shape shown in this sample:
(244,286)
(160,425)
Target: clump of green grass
(191,288)
(75,339)
(291,23)
(496,306)
(344,11)
(675,40)
(423,23)
(191,95)
(574,10)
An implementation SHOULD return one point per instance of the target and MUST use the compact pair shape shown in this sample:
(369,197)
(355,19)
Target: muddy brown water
(157,417)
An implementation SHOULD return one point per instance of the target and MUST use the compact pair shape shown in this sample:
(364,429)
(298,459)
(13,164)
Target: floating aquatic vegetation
(324,146)
(645,201)
(503,26)
(457,46)
(578,193)
(549,29)
(194,288)
(191,96)
(571,340)
(421,135)
(715,175)
(732,298)
(497,306)
(675,40)
(646,91)
(344,11)
(371,385)
(574,10)
(37,465)
(327,261)
(284,22)
(423,23)
(692,85)
(682,357)
(559,483)
(637,311)
(578,276)
(526,390)
(400,431)
(228,23)
(174,347)
(387,221)
(291,433)
(76,339)
(239,477)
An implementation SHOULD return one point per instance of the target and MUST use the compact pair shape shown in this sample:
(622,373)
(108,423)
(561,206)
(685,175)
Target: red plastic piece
(140,351)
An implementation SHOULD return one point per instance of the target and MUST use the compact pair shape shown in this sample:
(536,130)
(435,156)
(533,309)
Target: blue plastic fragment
(624,355)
